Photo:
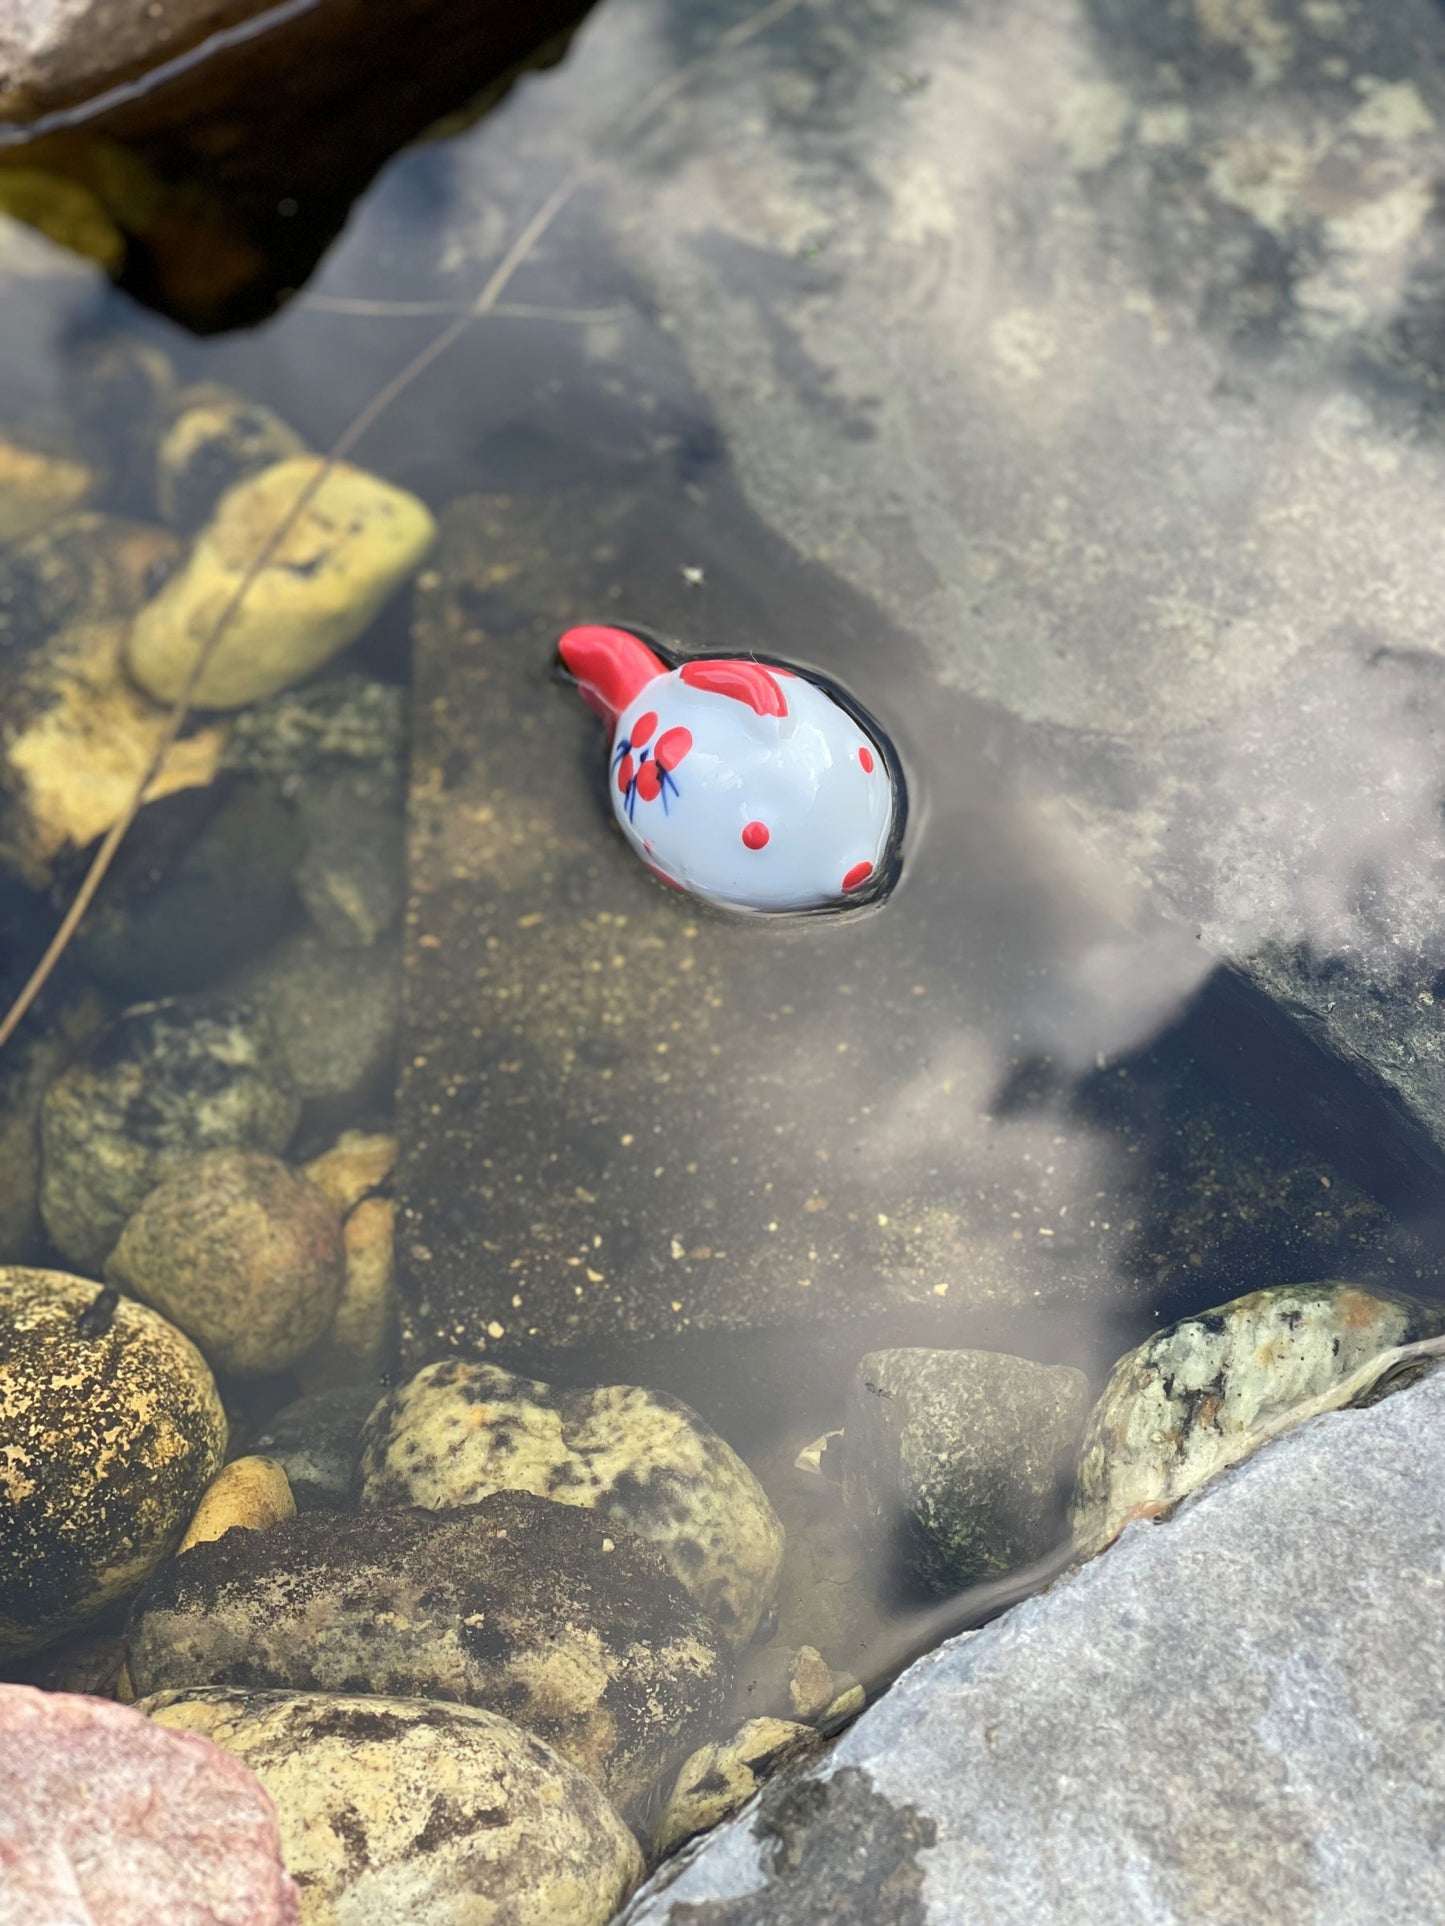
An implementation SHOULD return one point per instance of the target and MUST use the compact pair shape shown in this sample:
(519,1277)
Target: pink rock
(108,1820)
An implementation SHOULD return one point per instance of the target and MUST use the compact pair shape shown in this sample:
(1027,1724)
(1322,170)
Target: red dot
(756,835)
(672,746)
(865,756)
(857,876)
(641,730)
(624,774)
(649,781)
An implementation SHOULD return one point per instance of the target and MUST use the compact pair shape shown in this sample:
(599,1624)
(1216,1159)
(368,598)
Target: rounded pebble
(402,1810)
(110,1430)
(249,1494)
(456,1432)
(241,1253)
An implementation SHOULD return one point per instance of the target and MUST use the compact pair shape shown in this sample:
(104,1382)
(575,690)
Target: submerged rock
(341,728)
(38,486)
(110,1430)
(1200,1395)
(457,1432)
(720,1778)
(317,1442)
(532,1609)
(959,1463)
(75,742)
(241,1253)
(31,1062)
(248,1494)
(165,1082)
(111,1819)
(360,1342)
(202,881)
(356,1164)
(215,439)
(1195,1728)
(334,1015)
(353,544)
(352,876)
(397,1810)
(83,569)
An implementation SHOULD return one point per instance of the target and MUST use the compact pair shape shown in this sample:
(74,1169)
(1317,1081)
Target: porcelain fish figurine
(741,781)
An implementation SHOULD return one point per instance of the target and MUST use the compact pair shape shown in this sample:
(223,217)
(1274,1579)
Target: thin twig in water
(485,303)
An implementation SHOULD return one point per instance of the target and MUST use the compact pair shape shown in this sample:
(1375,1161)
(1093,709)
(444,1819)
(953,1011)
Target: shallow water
(1022,1106)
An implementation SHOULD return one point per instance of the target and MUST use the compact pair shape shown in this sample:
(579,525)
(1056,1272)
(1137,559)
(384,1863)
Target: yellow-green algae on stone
(396,1810)
(457,1431)
(353,543)
(106,1445)
(1201,1395)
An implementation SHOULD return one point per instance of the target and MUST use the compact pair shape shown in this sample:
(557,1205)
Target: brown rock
(241,1253)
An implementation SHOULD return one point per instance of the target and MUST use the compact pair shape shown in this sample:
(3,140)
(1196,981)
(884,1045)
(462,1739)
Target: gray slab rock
(1229,1718)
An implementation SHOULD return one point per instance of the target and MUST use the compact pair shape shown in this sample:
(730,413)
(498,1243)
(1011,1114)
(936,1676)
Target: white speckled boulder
(1200,1395)
(397,1810)
(457,1432)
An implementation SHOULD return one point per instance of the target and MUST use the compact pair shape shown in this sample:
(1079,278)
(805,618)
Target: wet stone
(571,1628)
(1198,1397)
(37,486)
(214,439)
(110,1818)
(456,1432)
(351,546)
(720,1778)
(84,568)
(32,1062)
(242,1254)
(317,1442)
(351,877)
(166,1081)
(203,880)
(110,1430)
(959,1463)
(248,1494)
(334,1014)
(1243,1669)
(344,728)
(396,1809)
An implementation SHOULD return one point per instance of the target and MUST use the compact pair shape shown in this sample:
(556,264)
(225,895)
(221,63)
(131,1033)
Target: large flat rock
(1230,1717)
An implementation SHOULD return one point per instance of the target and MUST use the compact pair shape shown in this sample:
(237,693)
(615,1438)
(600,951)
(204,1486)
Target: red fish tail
(611,666)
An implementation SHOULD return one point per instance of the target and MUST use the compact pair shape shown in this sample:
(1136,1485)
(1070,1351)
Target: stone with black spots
(458,1431)
(567,1625)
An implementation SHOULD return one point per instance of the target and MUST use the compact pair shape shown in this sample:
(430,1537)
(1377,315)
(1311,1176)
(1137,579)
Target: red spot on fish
(857,876)
(672,746)
(649,781)
(747,682)
(756,835)
(641,730)
(624,774)
(865,756)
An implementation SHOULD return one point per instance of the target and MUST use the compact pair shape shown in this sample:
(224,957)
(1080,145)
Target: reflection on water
(1086,431)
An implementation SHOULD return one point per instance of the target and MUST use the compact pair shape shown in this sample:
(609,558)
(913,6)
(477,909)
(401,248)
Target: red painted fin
(612,667)
(747,682)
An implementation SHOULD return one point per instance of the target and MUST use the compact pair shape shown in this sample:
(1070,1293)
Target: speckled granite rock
(333,1013)
(107,1442)
(1229,1716)
(213,440)
(720,1778)
(1198,1396)
(457,1432)
(527,1608)
(317,1440)
(241,1253)
(353,544)
(109,1818)
(84,568)
(959,1463)
(340,728)
(397,1809)
(165,1082)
